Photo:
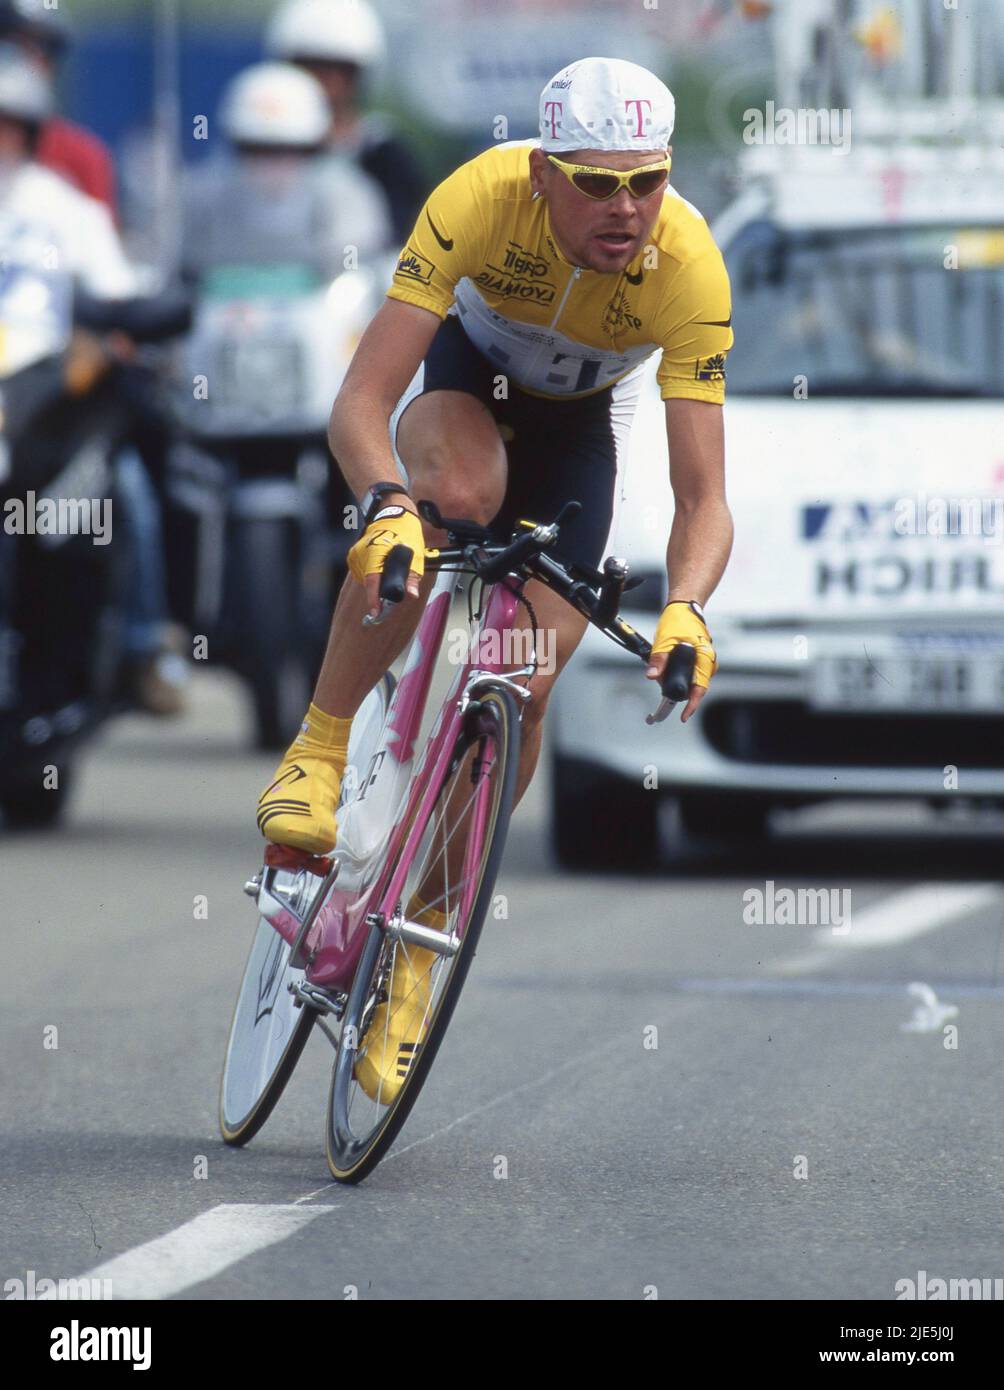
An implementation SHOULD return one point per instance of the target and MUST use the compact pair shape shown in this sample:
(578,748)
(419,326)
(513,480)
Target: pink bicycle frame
(337,935)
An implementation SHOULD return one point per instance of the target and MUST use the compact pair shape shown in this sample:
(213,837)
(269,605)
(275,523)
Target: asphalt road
(641,1094)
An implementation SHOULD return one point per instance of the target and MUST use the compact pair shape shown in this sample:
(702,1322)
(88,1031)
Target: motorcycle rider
(37,206)
(44,219)
(152,675)
(264,197)
(341,43)
(42,33)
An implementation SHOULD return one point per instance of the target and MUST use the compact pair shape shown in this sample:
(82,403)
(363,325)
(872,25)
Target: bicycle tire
(351,1159)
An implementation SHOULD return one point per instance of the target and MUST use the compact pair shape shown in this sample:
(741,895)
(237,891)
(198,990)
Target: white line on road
(897,918)
(578,1060)
(201,1249)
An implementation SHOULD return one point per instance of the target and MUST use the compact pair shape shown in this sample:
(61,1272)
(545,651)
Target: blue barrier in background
(108,82)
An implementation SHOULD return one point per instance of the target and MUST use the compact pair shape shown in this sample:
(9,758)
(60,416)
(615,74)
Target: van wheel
(28,805)
(727,816)
(601,821)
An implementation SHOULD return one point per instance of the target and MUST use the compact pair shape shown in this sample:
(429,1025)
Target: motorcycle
(257,526)
(63,579)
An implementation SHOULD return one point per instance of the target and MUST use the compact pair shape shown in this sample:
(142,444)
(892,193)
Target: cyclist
(340,43)
(538,279)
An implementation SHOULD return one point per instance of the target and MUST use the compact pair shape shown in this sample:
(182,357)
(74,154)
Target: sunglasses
(604,183)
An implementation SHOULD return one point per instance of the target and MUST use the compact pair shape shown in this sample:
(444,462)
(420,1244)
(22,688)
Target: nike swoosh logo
(633,279)
(716,323)
(446,245)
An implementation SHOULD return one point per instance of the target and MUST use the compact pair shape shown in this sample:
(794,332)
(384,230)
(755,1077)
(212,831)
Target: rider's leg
(452,451)
(451,447)
(559,631)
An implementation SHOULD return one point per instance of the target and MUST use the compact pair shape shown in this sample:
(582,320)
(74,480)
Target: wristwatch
(371,498)
(693,605)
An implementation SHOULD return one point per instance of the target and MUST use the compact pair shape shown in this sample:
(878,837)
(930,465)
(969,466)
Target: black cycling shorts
(557,449)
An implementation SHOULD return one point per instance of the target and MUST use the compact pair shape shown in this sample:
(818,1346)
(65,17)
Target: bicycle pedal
(286,857)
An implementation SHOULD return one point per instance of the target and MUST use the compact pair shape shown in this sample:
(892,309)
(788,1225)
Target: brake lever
(675,681)
(386,608)
(662,711)
(393,581)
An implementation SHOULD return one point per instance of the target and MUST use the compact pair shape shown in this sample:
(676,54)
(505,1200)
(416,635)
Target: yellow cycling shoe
(297,807)
(398,1026)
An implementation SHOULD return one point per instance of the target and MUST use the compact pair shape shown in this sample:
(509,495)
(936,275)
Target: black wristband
(374,495)
(693,605)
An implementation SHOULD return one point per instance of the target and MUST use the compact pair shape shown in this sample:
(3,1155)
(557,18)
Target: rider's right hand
(393,525)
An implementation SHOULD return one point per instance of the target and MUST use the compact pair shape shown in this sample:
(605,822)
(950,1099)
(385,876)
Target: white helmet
(25,91)
(275,104)
(329,31)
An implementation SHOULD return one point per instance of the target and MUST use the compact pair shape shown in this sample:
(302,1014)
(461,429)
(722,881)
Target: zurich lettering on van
(861,555)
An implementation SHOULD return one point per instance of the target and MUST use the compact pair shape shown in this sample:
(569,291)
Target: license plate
(919,683)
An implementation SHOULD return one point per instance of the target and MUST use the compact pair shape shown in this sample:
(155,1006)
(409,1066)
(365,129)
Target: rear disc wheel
(270,1028)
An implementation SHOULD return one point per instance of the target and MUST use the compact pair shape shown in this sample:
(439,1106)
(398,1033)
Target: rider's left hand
(683,621)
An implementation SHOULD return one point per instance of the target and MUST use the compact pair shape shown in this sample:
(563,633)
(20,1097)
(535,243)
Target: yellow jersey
(482,248)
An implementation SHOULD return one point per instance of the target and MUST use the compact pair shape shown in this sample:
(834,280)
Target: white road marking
(772,988)
(897,918)
(931,1014)
(201,1248)
(541,1080)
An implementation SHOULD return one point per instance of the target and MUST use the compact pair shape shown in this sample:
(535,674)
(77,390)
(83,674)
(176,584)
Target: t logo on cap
(639,102)
(550,108)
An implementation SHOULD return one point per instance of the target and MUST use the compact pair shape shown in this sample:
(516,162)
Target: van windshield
(903,311)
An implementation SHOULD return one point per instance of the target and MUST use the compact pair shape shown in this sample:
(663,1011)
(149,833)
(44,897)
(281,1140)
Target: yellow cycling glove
(392,525)
(683,621)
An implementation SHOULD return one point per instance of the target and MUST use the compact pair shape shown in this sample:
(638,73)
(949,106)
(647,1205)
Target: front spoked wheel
(404,993)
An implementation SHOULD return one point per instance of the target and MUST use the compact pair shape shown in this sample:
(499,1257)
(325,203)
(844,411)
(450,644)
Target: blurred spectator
(267,198)
(42,34)
(41,213)
(340,43)
(39,209)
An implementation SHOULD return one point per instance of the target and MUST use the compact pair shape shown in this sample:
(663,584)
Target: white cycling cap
(275,104)
(332,31)
(605,104)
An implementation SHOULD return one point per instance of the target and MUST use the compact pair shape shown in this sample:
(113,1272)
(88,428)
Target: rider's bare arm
(385,361)
(701,536)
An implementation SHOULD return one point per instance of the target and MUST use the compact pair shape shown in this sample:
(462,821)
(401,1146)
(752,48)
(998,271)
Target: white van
(860,622)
